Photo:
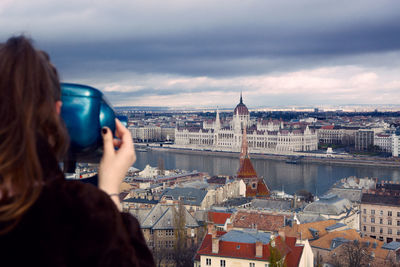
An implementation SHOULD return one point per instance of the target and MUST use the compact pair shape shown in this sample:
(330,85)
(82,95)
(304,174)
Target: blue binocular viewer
(86,111)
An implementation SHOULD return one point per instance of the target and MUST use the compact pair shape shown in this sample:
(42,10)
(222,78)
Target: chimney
(215,245)
(229,226)
(210,227)
(259,249)
(213,233)
(282,234)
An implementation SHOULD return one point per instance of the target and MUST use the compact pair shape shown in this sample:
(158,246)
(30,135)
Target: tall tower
(241,113)
(244,152)
(255,187)
(217,125)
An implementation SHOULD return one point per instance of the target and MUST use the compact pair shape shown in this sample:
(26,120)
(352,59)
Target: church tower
(255,187)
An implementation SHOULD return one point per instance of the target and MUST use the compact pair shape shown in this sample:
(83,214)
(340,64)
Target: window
(389,231)
(169,232)
(364,219)
(365,228)
(398,214)
(372,211)
(381,231)
(365,211)
(267,265)
(208,261)
(381,221)
(372,229)
(252,264)
(222,263)
(381,212)
(389,221)
(398,232)
(389,213)
(151,231)
(372,220)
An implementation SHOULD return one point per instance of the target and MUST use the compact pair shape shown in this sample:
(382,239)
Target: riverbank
(349,161)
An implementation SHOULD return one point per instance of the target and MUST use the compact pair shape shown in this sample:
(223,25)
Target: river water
(314,177)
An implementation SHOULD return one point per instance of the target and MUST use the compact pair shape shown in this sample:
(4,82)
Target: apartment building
(380,212)
(364,139)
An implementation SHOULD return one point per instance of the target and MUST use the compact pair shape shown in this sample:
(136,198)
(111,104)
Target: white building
(383,141)
(395,145)
(263,136)
(147,133)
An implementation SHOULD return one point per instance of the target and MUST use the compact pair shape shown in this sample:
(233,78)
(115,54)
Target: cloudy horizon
(204,53)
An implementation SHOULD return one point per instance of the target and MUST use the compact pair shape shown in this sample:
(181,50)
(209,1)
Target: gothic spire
(244,152)
(241,98)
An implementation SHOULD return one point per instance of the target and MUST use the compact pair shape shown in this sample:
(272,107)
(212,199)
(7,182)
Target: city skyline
(204,53)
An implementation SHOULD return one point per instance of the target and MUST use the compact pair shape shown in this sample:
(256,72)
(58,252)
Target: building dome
(241,108)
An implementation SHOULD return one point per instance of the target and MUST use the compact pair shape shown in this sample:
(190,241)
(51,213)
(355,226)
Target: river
(314,177)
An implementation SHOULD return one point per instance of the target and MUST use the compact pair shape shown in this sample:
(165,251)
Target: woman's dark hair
(29,89)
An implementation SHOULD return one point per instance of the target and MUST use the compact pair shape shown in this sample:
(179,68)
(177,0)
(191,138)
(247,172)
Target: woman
(44,219)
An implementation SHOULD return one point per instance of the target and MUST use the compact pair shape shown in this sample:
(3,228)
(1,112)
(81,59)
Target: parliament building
(264,136)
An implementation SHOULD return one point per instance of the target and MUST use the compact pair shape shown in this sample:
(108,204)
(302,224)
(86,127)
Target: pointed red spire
(244,152)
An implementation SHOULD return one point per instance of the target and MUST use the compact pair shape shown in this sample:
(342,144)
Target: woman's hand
(115,163)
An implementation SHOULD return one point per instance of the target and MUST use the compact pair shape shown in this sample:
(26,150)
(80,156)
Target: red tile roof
(260,191)
(246,169)
(258,220)
(218,217)
(328,127)
(293,257)
(230,249)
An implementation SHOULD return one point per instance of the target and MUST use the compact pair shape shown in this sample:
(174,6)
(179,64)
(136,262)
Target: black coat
(73,224)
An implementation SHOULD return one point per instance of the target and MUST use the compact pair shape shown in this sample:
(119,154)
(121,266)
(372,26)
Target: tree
(352,254)
(275,256)
(184,250)
(160,255)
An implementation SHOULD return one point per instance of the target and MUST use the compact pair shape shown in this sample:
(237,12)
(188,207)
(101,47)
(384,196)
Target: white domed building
(264,136)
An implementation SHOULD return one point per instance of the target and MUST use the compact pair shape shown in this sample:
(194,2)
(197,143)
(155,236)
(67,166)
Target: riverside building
(380,212)
(263,136)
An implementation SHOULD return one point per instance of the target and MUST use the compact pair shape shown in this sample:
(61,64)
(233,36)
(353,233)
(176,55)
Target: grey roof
(195,184)
(271,204)
(189,195)
(162,217)
(392,245)
(338,241)
(354,195)
(309,217)
(236,202)
(330,205)
(246,236)
(376,198)
(335,226)
(140,200)
(154,215)
(140,214)
(200,215)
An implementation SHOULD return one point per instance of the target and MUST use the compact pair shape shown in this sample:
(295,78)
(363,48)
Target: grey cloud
(105,42)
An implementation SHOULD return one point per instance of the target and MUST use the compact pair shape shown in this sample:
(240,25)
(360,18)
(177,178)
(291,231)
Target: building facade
(146,134)
(380,213)
(383,142)
(263,136)
(364,140)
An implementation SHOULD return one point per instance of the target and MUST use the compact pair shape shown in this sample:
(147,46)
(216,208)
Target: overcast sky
(204,53)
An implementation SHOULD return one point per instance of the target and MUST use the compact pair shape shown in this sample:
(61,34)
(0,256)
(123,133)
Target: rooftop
(258,220)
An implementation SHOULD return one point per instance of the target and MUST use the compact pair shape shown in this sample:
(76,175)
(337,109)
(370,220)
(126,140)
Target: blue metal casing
(85,111)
